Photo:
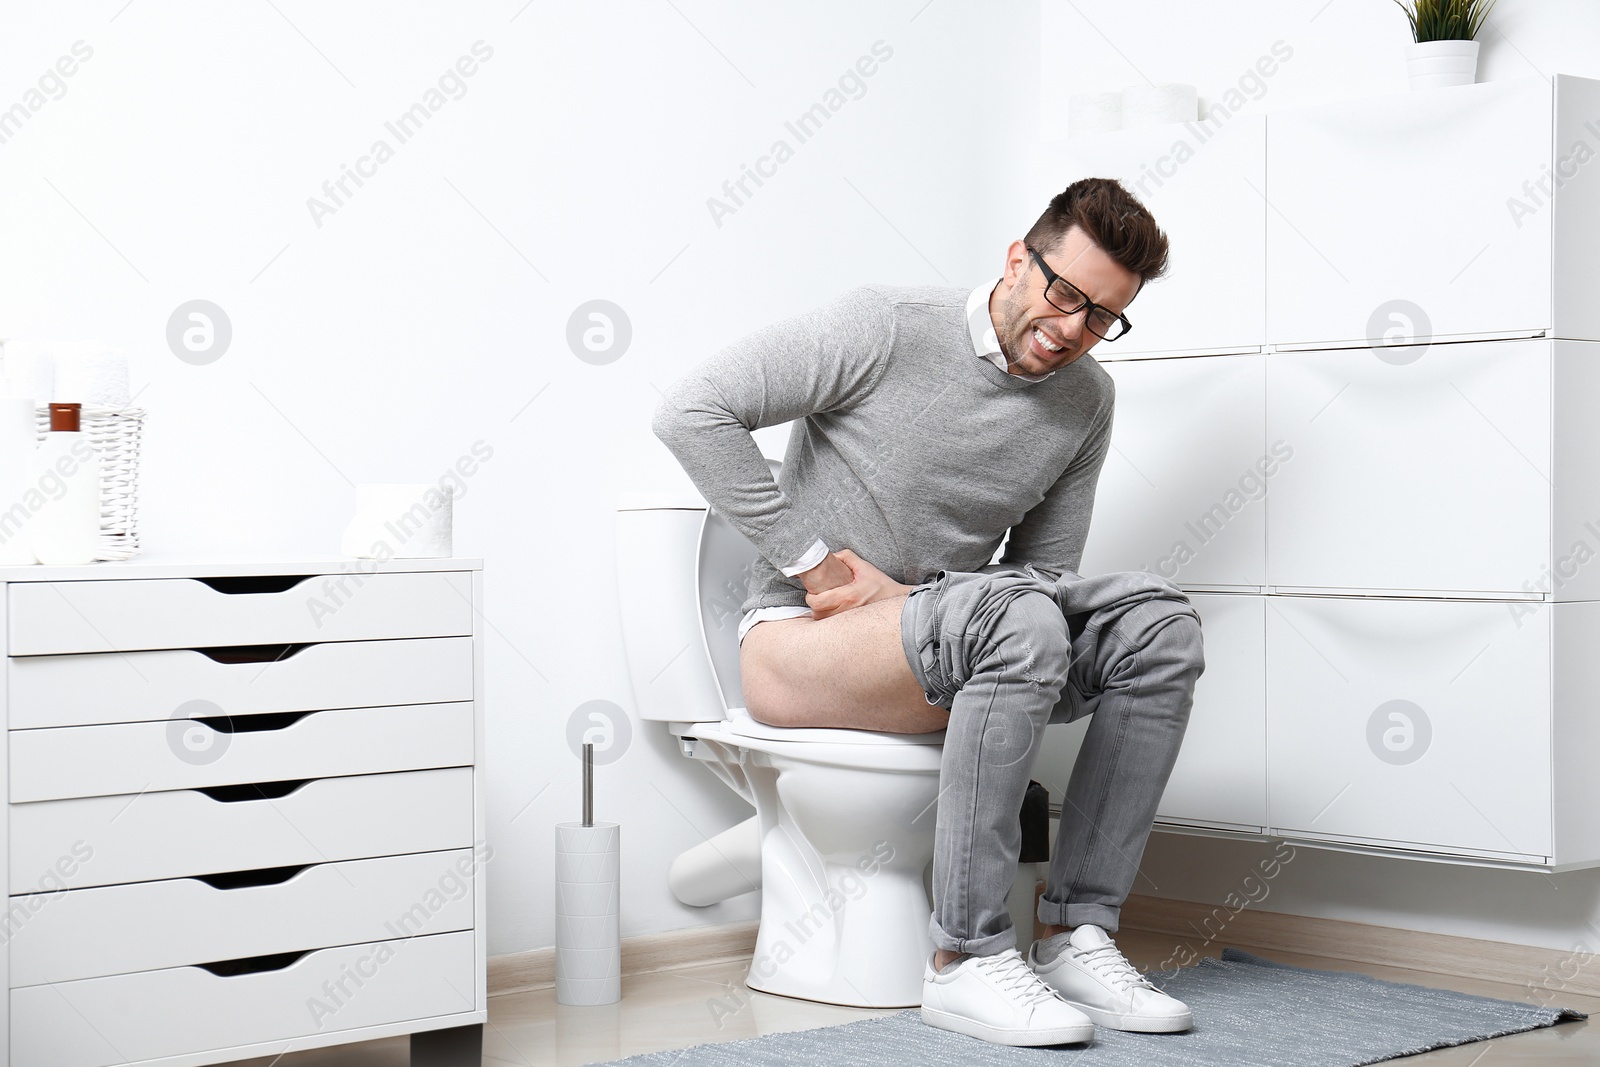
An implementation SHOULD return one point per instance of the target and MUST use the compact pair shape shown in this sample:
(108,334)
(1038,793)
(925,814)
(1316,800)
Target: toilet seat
(863,749)
(741,722)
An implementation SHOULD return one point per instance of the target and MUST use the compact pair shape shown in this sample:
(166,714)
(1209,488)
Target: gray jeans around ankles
(1009,650)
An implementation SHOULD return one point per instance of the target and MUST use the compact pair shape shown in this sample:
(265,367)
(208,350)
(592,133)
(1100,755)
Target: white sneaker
(999,999)
(1089,972)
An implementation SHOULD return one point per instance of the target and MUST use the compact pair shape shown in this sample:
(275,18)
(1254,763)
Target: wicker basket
(116,434)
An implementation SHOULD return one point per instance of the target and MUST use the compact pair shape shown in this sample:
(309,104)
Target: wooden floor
(698,1004)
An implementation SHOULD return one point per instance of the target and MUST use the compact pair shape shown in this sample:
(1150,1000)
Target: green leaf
(1446,20)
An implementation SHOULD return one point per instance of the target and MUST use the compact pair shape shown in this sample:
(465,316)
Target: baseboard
(518,972)
(1544,973)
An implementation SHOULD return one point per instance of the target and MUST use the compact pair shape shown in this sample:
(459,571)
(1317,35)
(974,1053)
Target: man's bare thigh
(848,670)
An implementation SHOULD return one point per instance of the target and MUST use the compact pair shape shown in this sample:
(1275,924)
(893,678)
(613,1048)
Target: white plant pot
(1436,64)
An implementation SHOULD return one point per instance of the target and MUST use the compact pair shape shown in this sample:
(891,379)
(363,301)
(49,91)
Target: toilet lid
(740,722)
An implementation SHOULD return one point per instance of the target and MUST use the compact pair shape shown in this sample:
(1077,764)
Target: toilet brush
(588,900)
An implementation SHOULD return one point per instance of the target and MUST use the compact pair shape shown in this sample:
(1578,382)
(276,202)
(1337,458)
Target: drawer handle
(232,794)
(252,653)
(256,583)
(277,961)
(250,879)
(244,724)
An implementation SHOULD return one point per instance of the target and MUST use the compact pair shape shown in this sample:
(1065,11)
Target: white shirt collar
(984,341)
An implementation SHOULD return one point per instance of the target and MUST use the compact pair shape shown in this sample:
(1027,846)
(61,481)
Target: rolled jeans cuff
(992,945)
(1054,913)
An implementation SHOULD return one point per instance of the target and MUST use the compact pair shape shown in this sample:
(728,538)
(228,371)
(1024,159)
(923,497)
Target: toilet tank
(657,590)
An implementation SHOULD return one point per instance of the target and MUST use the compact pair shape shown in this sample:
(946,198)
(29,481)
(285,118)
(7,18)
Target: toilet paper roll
(91,374)
(588,910)
(31,367)
(400,520)
(1155,105)
(1093,113)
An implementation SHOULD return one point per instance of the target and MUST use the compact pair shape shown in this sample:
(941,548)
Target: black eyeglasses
(1069,300)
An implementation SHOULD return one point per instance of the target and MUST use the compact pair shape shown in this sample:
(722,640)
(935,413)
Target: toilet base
(857,936)
(845,912)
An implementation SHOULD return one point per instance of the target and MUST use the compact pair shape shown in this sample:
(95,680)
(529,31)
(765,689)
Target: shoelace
(1109,962)
(1015,976)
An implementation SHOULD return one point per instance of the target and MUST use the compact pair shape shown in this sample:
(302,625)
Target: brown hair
(1112,218)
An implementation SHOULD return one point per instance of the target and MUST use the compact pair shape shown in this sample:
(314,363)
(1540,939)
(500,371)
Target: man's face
(1029,326)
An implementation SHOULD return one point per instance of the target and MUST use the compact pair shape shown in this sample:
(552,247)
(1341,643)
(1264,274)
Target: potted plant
(1444,49)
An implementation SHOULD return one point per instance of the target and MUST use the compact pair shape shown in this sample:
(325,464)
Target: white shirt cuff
(814,555)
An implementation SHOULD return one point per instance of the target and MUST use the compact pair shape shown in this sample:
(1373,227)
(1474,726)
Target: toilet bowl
(844,819)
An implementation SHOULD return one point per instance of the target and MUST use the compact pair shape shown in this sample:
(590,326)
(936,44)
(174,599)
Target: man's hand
(843,581)
(828,574)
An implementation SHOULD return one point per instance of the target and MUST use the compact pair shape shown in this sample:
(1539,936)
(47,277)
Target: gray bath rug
(1248,1012)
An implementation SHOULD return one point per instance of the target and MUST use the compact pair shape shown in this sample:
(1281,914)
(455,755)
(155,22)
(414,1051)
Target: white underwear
(755,615)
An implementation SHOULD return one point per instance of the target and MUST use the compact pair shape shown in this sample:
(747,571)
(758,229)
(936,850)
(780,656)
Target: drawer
(183,753)
(1324,154)
(104,687)
(138,613)
(1431,474)
(98,1022)
(1411,723)
(1220,778)
(105,840)
(1212,214)
(86,933)
(1184,490)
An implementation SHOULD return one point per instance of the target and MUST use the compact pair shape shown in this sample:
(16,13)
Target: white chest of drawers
(244,810)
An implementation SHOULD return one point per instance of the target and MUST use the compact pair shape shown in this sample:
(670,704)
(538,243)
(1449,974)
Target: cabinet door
(1196,179)
(1428,475)
(1405,198)
(1411,723)
(1182,491)
(1220,777)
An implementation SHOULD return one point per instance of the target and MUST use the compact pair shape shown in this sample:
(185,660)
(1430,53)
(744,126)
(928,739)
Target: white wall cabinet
(1433,199)
(1220,779)
(244,811)
(1415,722)
(1446,727)
(1465,469)
(1429,554)
(1183,489)
(1204,182)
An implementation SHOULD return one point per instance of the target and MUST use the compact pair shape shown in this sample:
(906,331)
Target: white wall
(1341,49)
(430,310)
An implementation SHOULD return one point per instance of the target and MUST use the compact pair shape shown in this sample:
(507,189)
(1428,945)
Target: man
(927,424)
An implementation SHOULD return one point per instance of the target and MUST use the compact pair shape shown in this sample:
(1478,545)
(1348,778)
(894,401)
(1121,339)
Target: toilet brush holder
(588,905)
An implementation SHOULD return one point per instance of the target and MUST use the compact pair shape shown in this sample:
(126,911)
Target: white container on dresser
(1394,548)
(245,810)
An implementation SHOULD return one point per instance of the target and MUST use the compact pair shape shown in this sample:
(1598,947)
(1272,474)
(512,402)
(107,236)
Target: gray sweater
(907,447)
